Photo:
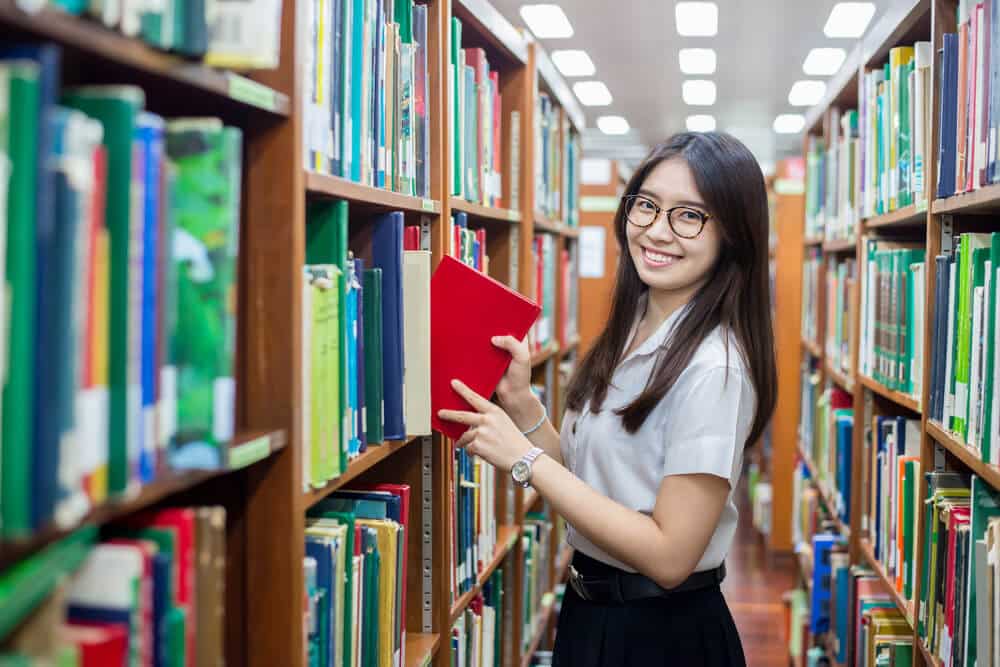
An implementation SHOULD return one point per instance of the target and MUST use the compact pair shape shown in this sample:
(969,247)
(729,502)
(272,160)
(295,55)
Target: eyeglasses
(684,221)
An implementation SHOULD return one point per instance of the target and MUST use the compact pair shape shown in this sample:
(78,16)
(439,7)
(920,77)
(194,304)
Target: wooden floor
(753,588)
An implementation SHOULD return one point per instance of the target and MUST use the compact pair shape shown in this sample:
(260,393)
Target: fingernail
(454,383)
(495,339)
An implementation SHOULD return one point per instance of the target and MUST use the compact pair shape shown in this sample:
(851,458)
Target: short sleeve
(708,424)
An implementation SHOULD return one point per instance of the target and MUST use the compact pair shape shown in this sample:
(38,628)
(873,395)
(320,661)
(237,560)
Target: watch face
(520,471)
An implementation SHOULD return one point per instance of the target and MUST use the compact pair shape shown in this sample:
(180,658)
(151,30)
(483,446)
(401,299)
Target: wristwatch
(521,470)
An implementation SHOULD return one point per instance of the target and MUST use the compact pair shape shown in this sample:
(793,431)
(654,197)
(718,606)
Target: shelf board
(840,246)
(93,39)
(506,538)
(811,241)
(845,531)
(902,604)
(541,625)
(571,232)
(968,456)
(840,379)
(907,216)
(421,649)
(983,200)
(812,348)
(167,484)
(543,355)
(480,16)
(545,224)
(896,397)
(488,213)
(930,660)
(333,186)
(372,456)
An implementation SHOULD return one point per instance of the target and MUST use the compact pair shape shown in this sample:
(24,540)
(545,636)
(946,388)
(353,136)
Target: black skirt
(690,629)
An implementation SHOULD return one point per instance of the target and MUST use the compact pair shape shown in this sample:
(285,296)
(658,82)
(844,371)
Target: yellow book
(337,531)
(388,539)
(97,394)
(883,622)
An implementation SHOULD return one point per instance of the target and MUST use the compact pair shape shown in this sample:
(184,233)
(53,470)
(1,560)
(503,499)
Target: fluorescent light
(701,123)
(574,62)
(547,21)
(592,93)
(697,19)
(824,62)
(613,125)
(697,61)
(699,92)
(849,20)
(789,123)
(806,93)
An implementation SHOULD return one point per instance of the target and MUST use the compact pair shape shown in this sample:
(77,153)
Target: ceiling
(760,47)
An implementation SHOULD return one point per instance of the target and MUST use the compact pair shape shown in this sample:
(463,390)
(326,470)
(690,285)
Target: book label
(250,92)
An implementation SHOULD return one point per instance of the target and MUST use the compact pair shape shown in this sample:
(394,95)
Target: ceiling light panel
(701,123)
(789,123)
(806,93)
(698,92)
(849,20)
(592,93)
(823,62)
(574,62)
(613,125)
(697,19)
(547,21)
(697,61)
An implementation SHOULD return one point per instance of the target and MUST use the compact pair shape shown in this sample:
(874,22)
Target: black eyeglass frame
(629,200)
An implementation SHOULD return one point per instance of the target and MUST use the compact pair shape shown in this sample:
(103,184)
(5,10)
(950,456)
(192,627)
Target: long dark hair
(735,296)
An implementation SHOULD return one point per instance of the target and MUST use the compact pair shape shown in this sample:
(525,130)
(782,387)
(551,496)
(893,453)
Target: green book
(471,117)
(968,243)
(374,409)
(327,234)
(903,148)
(369,650)
(980,257)
(116,107)
(985,506)
(19,92)
(952,380)
(986,441)
(325,372)
(457,81)
(206,210)
(911,469)
(346,586)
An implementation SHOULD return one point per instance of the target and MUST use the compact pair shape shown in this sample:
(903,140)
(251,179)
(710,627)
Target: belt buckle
(575,582)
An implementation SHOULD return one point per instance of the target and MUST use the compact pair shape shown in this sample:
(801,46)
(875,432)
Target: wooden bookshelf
(485,213)
(420,648)
(812,348)
(570,232)
(840,246)
(91,40)
(545,354)
(966,454)
(530,497)
(362,464)
(983,200)
(544,224)
(321,185)
(164,487)
(824,493)
(929,658)
(813,241)
(506,538)
(905,608)
(903,400)
(906,216)
(541,626)
(571,344)
(839,378)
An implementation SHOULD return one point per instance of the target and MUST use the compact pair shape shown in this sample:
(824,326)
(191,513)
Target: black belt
(619,586)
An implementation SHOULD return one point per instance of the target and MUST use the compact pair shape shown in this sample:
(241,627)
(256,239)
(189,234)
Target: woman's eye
(646,207)
(690,216)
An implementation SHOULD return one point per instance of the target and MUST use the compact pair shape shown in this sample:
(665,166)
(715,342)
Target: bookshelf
(934,225)
(262,485)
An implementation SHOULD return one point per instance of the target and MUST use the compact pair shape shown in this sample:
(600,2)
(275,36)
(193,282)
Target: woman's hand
(514,389)
(492,434)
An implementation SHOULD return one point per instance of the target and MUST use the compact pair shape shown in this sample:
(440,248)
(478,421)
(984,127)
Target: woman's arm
(666,546)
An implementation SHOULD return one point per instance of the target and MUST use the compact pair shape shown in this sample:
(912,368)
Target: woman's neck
(661,304)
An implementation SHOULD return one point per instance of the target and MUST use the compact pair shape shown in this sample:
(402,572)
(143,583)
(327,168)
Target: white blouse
(700,426)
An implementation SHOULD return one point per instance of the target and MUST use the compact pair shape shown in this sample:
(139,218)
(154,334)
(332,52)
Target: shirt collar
(659,337)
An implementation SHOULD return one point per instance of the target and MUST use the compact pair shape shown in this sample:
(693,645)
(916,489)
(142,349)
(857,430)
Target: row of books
(119,328)
(809,394)
(355,571)
(366,92)
(812,272)
(969,100)
(830,448)
(537,534)
(890,349)
(964,368)
(891,502)
(546,257)
(569,295)
(150,592)
(238,35)
(841,312)
(960,590)
(894,116)
(365,337)
(474,490)
(476,123)
(571,176)
(875,632)
(832,179)
(477,637)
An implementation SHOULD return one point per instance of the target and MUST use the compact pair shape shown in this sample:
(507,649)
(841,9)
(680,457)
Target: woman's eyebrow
(681,202)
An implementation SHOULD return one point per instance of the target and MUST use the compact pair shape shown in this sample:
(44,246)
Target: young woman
(680,381)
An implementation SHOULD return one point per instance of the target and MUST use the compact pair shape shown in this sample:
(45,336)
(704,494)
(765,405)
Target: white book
(417,341)
(979,145)
(982,440)
(923,57)
(949,397)
(974,367)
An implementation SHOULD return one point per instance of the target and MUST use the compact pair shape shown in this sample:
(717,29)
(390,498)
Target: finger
(460,417)
(516,348)
(475,400)
(466,438)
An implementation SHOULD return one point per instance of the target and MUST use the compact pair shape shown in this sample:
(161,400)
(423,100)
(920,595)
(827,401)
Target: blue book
(819,621)
(375,505)
(379,107)
(149,131)
(845,429)
(336,74)
(353,121)
(321,550)
(359,270)
(162,601)
(387,254)
(948,95)
(842,581)
(352,424)
(46,430)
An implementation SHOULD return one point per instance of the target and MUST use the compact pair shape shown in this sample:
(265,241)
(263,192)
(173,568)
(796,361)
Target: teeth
(658,257)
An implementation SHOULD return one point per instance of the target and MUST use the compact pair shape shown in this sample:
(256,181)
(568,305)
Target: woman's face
(669,264)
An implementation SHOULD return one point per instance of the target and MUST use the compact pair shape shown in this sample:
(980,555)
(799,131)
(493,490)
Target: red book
(98,644)
(481,259)
(497,117)
(468,308)
(411,237)
(564,298)
(958,516)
